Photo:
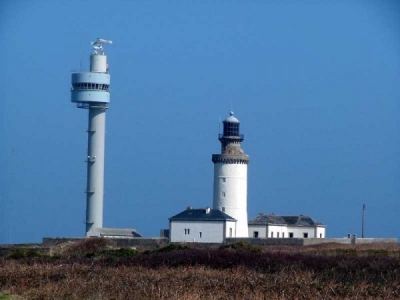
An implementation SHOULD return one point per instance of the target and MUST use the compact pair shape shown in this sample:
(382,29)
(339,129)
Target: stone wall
(308,241)
(375,240)
(266,241)
(160,242)
(150,242)
(120,242)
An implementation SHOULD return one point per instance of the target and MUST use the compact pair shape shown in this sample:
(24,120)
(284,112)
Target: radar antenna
(98,45)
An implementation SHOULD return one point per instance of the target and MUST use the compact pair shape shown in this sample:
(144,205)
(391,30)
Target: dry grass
(275,273)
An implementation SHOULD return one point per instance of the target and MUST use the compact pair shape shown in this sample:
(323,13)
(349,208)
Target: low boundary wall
(308,241)
(121,242)
(157,242)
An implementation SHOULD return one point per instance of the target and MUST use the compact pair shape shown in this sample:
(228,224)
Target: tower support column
(95,169)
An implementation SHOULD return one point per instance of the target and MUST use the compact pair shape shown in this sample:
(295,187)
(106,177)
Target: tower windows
(224,179)
(90,86)
(231,129)
(223,194)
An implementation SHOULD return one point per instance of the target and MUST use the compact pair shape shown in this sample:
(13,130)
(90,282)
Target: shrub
(116,253)
(87,247)
(23,253)
(242,246)
(172,247)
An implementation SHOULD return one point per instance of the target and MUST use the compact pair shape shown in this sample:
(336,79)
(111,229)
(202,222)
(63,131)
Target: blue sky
(315,85)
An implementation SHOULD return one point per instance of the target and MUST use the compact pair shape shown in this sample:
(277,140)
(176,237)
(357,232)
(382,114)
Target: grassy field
(93,269)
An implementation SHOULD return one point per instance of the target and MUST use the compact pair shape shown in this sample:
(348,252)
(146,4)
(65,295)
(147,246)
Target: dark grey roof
(122,232)
(201,214)
(272,219)
(262,219)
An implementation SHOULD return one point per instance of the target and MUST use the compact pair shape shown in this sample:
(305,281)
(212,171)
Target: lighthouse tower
(230,175)
(90,90)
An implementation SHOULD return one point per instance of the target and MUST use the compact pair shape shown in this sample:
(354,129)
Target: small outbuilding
(203,225)
(273,226)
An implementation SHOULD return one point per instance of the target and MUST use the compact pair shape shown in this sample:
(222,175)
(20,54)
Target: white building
(230,175)
(272,226)
(202,226)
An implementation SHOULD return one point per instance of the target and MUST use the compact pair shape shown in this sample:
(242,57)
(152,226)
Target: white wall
(230,229)
(264,231)
(261,229)
(275,231)
(230,193)
(321,232)
(298,232)
(211,232)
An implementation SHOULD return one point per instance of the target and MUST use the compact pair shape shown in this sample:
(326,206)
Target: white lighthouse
(90,90)
(230,175)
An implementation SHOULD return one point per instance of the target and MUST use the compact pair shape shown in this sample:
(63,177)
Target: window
(291,234)
(320,235)
(231,129)
(200,234)
(224,179)
(223,208)
(230,232)
(255,234)
(187,231)
(305,235)
(283,234)
(277,234)
(272,234)
(223,194)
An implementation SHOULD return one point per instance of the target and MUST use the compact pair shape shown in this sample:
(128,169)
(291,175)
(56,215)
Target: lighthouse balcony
(236,139)
(230,159)
(232,137)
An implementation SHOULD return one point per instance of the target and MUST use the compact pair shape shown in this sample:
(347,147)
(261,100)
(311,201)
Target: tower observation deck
(230,175)
(90,90)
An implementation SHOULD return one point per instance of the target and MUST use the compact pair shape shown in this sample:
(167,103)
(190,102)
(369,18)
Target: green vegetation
(242,246)
(9,297)
(24,253)
(172,247)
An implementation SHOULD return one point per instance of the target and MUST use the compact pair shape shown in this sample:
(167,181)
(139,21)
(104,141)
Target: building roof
(231,118)
(273,219)
(118,232)
(202,214)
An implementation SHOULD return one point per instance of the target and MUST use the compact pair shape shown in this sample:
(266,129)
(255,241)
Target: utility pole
(363,221)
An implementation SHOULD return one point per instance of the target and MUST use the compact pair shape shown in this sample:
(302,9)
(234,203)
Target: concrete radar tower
(230,176)
(90,90)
